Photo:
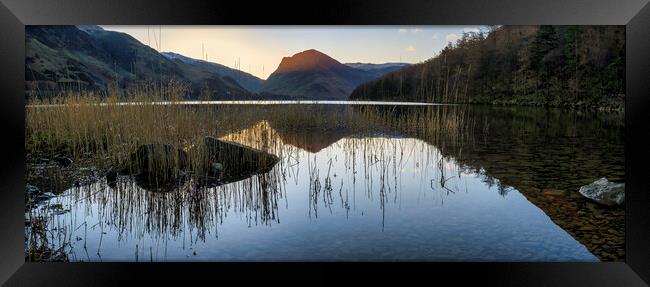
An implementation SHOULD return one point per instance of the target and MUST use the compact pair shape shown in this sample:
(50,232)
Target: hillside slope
(244,79)
(60,58)
(528,65)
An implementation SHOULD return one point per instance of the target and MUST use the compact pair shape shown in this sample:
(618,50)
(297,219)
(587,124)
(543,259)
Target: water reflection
(367,192)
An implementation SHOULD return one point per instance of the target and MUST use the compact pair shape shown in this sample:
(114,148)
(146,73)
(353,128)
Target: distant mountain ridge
(91,58)
(246,80)
(378,69)
(87,57)
(312,74)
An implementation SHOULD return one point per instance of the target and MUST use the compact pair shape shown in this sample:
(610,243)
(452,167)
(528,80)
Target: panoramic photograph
(494,143)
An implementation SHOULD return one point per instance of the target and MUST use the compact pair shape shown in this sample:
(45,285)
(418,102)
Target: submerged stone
(552,193)
(604,192)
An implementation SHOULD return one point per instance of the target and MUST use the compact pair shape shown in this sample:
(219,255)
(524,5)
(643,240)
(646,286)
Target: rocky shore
(599,227)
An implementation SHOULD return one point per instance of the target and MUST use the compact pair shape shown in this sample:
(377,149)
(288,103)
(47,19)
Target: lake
(463,183)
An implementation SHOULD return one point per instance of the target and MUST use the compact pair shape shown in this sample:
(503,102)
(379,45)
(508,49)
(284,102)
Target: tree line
(578,66)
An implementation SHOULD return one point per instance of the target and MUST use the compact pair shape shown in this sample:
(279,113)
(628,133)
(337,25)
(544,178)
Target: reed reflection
(352,161)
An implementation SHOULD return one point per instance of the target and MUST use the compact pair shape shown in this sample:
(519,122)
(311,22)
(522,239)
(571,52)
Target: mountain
(313,75)
(87,57)
(524,65)
(244,79)
(378,69)
(91,58)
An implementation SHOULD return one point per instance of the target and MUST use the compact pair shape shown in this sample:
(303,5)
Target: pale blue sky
(261,48)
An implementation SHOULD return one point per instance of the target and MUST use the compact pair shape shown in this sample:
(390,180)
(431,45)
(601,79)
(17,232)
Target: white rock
(604,192)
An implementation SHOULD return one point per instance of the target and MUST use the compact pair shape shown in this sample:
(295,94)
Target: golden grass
(79,123)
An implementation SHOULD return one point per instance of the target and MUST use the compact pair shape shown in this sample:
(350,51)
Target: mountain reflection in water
(377,192)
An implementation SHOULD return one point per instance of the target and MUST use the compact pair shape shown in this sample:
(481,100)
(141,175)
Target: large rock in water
(604,192)
(235,160)
(158,161)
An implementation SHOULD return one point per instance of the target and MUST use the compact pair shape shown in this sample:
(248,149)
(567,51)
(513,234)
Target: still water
(378,194)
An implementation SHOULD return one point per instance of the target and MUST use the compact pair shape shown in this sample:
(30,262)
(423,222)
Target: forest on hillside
(577,66)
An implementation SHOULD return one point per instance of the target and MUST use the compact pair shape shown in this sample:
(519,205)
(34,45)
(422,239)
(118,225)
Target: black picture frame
(634,14)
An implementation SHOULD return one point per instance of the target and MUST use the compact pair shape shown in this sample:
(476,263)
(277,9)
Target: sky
(259,49)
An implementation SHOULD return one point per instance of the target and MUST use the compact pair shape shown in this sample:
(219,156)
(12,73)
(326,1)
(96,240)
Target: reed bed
(104,132)
(81,124)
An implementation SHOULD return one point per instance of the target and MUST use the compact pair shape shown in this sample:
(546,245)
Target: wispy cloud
(410,48)
(452,37)
(412,30)
(435,36)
